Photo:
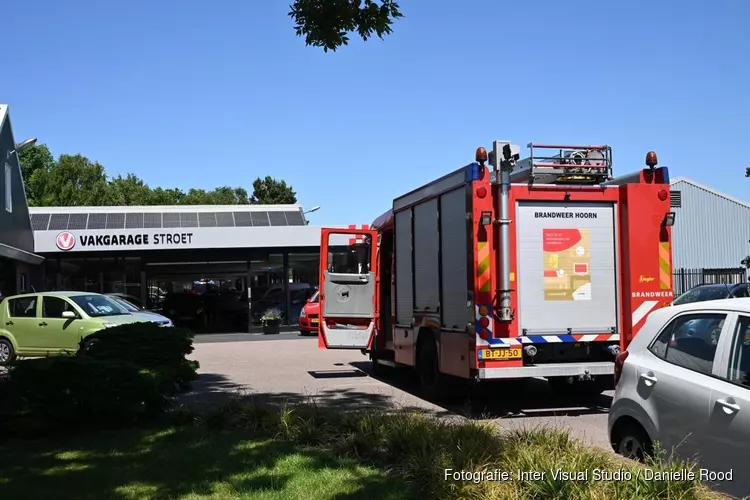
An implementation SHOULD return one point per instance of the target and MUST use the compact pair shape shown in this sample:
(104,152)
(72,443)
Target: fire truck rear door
(348,310)
(567,267)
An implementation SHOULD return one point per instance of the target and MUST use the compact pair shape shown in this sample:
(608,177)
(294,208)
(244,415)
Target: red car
(308,318)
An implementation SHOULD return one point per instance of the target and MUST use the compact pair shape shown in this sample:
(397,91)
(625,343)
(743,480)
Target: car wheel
(86,345)
(631,441)
(7,354)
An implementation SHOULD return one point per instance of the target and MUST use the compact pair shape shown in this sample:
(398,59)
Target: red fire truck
(505,269)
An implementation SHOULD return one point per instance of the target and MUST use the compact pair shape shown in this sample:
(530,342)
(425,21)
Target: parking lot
(291,368)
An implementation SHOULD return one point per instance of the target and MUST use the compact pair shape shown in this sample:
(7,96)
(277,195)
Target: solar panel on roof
(170,220)
(115,221)
(242,219)
(152,220)
(78,221)
(133,221)
(39,222)
(207,219)
(58,222)
(97,221)
(294,218)
(189,219)
(260,218)
(224,219)
(277,218)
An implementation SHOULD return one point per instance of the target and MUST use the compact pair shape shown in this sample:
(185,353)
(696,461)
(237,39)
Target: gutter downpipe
(504,160)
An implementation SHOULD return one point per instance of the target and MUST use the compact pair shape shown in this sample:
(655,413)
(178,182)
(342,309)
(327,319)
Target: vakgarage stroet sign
(66,240)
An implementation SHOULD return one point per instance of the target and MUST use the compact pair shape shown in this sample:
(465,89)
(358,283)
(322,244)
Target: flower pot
(271,327)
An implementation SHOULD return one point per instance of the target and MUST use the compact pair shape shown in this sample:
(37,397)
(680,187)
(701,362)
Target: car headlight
(302,314)
(107,324)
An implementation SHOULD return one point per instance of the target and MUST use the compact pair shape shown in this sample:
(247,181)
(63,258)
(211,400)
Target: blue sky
(201,94)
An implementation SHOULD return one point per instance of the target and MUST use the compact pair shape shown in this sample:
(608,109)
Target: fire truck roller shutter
(566,267)
(404,293)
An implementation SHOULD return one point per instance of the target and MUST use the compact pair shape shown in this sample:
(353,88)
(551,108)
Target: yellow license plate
(514,353)
(314,321)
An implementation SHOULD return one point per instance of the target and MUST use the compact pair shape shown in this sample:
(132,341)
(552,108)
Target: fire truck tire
(377,369)
(428,369)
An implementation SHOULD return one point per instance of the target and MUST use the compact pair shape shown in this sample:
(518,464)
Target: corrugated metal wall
(710,231)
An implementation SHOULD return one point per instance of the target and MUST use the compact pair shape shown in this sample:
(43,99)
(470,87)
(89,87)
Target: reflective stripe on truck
(550,339)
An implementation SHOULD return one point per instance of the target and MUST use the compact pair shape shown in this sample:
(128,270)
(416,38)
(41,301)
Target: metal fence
(685,279)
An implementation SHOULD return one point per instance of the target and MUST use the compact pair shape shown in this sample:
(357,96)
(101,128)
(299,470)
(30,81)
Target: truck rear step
(550,370)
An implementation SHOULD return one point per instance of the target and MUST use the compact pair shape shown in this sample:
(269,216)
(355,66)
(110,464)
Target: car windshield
(98,305)
(127,305)
(703,293)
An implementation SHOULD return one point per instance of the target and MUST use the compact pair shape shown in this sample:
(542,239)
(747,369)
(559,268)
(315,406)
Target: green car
(49,323)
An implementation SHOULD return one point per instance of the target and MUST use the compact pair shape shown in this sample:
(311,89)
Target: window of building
(303,273)
(8,188)
(739,365)
(690,341)
(23,307)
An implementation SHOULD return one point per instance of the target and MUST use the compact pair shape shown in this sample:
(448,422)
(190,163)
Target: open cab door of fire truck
(348,309)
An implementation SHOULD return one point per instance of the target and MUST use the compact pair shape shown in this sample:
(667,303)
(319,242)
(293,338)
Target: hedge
(120,375)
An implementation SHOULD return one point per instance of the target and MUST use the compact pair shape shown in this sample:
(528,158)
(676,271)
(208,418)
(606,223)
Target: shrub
(420,450)
(122,374)
(74,389)
(161,351)
(272,315)
(146,344)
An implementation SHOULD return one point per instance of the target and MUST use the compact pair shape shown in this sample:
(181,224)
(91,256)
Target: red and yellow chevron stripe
(483,266)
(665,269)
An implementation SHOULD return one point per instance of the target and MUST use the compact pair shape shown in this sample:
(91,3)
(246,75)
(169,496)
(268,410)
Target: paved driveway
(292,368)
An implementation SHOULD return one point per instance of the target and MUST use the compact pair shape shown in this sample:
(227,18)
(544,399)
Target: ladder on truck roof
(586,165)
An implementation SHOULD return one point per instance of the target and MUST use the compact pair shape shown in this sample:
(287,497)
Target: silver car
(145,314)
(684,382)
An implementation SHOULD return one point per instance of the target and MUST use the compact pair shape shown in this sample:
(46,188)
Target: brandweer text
(565,215)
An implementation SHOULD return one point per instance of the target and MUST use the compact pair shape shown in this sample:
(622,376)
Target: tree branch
(327,23)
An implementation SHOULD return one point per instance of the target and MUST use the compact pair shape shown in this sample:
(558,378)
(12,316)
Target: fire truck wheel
(428,369)
(377,369)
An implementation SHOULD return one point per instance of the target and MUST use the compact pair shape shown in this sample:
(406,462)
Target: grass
(244,449)
(184,462)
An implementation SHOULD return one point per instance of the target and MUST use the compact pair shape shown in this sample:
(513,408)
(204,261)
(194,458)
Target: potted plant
(271,321)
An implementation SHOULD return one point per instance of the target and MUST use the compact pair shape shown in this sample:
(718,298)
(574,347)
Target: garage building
(200,265)
(711,236)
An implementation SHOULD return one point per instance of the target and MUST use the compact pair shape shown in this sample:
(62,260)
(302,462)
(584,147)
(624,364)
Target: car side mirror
(69,315)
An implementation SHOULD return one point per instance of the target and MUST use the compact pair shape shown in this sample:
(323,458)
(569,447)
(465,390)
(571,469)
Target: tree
(33,160)
(127,191)
(74,180)
(327,23)
(269,191)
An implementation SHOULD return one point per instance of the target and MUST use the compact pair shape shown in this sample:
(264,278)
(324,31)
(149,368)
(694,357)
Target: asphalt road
(290,367)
